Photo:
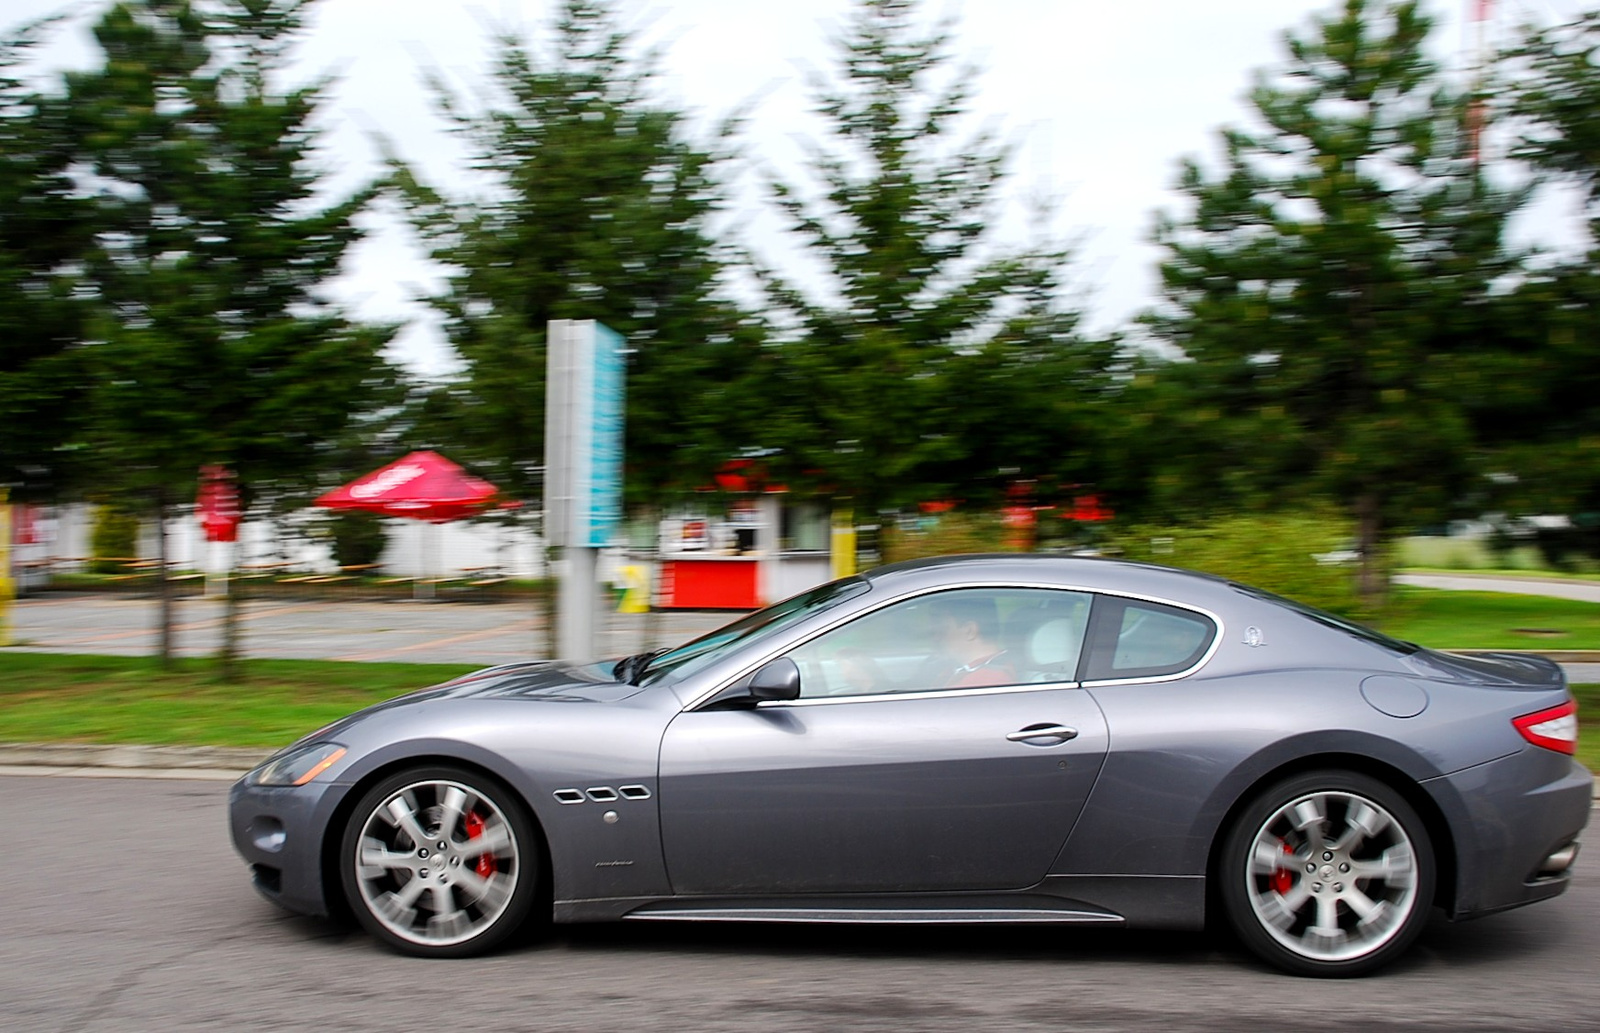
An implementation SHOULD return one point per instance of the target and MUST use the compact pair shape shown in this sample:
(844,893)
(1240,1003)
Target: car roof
(1088,572)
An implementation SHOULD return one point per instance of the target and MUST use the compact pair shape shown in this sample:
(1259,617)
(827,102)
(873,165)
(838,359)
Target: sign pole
(8,587)
(584,389)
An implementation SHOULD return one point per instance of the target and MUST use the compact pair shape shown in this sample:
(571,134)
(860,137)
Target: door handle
(1060,733)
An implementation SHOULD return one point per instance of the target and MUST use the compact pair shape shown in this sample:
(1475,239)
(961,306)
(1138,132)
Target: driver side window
(962,639)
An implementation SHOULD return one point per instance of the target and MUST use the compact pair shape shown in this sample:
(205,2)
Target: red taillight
(1554,729)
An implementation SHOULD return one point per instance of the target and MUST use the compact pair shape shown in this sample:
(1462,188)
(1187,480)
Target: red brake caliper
(1282,879)
(474,830)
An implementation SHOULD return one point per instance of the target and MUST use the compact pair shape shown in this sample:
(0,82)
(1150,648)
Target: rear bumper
(1506,818)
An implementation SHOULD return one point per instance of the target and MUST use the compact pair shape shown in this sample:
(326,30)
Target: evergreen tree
(600,210)
(1544,432)
(44,228)
(1556,101)
(1334,285)
(213,343)
(930,360)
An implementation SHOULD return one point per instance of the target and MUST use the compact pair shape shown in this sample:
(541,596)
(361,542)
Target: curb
(129,761)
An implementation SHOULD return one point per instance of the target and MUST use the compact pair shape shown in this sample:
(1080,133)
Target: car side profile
(1021,739)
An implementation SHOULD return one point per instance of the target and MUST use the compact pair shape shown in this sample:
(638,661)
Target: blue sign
(584,415)
(605,441)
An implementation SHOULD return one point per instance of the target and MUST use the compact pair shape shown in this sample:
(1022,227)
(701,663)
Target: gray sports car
(971,739)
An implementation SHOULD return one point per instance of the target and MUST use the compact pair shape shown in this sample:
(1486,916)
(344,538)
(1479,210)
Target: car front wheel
(439,862)
(1329,873)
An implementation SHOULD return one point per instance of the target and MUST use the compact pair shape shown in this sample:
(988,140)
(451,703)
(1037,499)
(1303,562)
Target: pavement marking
(450,640)
(199,625)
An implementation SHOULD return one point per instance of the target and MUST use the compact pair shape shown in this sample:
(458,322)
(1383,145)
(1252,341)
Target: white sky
(1100,99)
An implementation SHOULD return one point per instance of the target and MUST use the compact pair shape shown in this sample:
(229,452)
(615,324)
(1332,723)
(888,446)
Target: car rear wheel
(1329,873)
(440,862)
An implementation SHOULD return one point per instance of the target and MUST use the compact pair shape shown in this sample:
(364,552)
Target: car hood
(1512,670)
(543,681)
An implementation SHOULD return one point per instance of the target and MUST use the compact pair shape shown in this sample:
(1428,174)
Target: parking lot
(401,630)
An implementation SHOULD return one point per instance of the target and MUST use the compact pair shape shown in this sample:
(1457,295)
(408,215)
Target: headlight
(298,766)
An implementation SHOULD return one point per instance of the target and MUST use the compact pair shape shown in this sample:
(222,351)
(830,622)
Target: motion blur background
(1186,282)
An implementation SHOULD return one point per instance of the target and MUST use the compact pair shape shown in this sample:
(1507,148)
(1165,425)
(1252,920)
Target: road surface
(129,912)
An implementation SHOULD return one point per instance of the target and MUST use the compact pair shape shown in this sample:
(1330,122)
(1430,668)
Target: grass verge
(1491,620)
(113,699)
(1588,725)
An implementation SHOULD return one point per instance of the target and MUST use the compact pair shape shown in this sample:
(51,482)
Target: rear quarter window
(1134,638)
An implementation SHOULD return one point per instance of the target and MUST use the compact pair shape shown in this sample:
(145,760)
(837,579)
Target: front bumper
(1507,818)
(280,832)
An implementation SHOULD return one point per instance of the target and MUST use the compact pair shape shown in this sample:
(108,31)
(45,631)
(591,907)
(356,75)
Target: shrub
(944,535)
(357,538)
(1277,552)
(115,536)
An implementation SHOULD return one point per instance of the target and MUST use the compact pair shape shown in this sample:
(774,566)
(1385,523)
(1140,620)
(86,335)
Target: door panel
(919,792)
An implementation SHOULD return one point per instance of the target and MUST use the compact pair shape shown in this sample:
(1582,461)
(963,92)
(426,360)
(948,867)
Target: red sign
(1019,523)
(24,525)
(1087,509)
(218,504)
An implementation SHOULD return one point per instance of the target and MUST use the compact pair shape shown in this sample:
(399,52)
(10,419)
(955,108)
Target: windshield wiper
(630,668)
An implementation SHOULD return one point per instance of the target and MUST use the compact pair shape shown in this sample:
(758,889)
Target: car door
(897,769)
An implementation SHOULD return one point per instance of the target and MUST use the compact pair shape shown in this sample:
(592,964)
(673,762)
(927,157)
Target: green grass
(1588,725)
(110,699)
(1491,620)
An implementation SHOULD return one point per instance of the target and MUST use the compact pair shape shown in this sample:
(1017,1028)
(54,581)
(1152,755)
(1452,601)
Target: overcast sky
(1101,100)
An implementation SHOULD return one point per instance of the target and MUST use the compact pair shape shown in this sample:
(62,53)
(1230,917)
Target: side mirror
(776,680)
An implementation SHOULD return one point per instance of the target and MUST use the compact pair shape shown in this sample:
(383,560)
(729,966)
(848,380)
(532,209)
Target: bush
(115,536)
(357,538)
(947,534)
(1273,551)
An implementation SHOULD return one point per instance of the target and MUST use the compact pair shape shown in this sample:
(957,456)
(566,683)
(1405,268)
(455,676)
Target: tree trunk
(163,585)
(228,652)
(1372,583)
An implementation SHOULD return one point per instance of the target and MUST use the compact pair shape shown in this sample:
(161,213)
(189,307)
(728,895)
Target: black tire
(1327,873)
(440,898)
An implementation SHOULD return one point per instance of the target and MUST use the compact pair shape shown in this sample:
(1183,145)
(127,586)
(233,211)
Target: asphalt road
(129,912)
(403,630)
(1583,591)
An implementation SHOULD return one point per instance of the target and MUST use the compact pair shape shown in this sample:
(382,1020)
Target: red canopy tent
(420,486)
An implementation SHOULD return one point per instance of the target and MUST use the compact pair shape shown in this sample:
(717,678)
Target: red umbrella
(422,486)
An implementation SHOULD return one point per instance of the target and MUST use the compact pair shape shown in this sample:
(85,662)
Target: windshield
(707,649)
(1360,631)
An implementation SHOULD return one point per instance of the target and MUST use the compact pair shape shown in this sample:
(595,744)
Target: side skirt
(1135,901)
(891,909)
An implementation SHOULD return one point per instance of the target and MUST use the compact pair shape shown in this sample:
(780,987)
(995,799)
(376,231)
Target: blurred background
(1293,292)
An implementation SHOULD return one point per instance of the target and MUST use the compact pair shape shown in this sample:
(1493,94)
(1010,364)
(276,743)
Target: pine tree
(44,228)
(600,209)
(925,361)
(1333,284)
(212,343)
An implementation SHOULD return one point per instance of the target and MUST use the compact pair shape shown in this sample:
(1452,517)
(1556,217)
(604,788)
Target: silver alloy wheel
(437,863)
(1332,876)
